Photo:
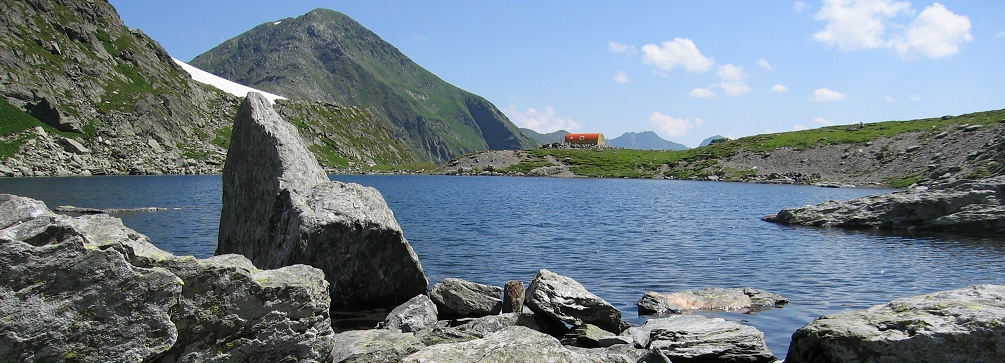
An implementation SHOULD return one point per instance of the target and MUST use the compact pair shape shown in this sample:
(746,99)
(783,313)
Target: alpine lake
(617,237)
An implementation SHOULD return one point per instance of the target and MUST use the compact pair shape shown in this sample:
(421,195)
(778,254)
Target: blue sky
(685,69)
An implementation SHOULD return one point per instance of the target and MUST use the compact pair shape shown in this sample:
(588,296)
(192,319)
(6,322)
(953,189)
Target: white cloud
(827,95)
(620,48)
(544,122)
(915,98)
(822,121)
(621,77)
(889,99)
(419,37)
(1001,34)
(680,52)
(671,126)
(764,64)
(862,24)
(935,33)
(702,93)
(779,88)
(798,6)
(733,80)
(799,127)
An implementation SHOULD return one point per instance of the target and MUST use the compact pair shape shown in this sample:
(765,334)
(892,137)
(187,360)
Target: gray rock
(959,206)
(609,341)
(619,353)
(90,289)
(72,146)
(460,298)
(481,327)
(280,209)
(716,298)
(373,346)
(416,314)
(563,298)
(513,344)
(963,325)
(586,336)
(694,338)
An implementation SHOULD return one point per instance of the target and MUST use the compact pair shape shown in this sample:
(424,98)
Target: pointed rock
(563,298)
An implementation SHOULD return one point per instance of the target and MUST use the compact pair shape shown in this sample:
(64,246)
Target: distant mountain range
(646,140)
(326,56)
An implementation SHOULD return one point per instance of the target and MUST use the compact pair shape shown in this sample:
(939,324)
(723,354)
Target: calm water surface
(619,238)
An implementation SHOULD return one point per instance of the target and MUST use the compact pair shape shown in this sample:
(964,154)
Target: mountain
(646,140)
(709,140)
(549,138)
(326,56)
(99,97)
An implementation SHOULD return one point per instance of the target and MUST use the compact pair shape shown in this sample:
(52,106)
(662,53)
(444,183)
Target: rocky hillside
(99,97)
(326,56)
(893,153)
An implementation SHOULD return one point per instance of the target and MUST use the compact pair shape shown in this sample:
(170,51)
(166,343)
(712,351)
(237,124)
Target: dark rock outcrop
(280,209)
(694,338)
(716,298)
(564,299)
(963,325)
(90,289)
(964,206)
(459,298)
(416,314)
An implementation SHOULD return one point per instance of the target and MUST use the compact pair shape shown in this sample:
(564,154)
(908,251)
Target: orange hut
(586,139)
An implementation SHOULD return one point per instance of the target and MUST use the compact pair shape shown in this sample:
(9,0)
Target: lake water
(617,237)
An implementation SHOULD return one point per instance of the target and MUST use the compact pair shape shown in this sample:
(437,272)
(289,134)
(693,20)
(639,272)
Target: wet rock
(416,314)
(564,299)
(513,344)
(694,338)
(279,209)
(963,325)
(956,206)
(373,346)
(716,298)
(459,298)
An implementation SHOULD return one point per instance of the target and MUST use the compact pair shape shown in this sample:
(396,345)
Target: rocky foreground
(964,206)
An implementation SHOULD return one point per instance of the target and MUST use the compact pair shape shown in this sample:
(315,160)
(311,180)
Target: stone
(373,346)
(280,209)
(416,314)
(695,338)
(586,336)
(72,146)
(459,298)
(88,288)
(963,206)
(514,344)
(564,299)
(47,111)
(962,325)
(513,296)
(613,340)
(156,146)
(716,298)
(481,327)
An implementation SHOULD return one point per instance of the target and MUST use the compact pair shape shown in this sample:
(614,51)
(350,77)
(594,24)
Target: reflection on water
(619,238)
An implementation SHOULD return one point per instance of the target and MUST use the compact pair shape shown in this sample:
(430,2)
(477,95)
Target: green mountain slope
(549,138)
(326,56)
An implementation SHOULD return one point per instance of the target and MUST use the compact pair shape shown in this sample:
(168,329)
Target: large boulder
(280,209)
(460,298)
(563,298)
(694,338)
(373,346)
(515,344)
(416,314)
(90,289)
(964,206)
(716,298)
(963,325)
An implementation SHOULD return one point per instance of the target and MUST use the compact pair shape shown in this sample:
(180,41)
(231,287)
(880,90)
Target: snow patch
(277,23)
(225,85)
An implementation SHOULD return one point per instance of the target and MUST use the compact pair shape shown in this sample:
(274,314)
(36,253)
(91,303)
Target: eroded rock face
(460,298)
(279,209)
(88,288)
(694,338)
(963,325)
(716,298)
(964,206)
(563,298)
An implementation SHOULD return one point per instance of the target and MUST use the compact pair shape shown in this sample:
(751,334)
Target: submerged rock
(716,298)
(963,325)
(963,206)
(280,209)
(564,299)
(90,289)
(459,298)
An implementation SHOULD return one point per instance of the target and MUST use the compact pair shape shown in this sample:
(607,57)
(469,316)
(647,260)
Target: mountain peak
(646,140)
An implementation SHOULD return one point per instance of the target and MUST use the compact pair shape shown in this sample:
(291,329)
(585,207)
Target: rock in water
(280,209)
(715,298)
(563,298)
(963,325)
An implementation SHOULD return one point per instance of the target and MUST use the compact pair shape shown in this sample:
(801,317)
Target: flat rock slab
(373,346)
(964,206)
(460,298)
(694,338)
(514,344)
(716,299)
(564,299)
(962,325)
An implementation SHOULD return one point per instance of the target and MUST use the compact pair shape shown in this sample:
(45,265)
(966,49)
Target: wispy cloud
(827,95)
(822,121)
(541,121)
(621,77)
(799,128)
(764,64)
(620,47)
(1000,35)
(679,52)
(779,88)
(798,6)
(889,99)
(702,93)
(733,81)
(670,126)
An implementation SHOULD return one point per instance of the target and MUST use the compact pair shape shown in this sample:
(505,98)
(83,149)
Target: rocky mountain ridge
(646,140)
